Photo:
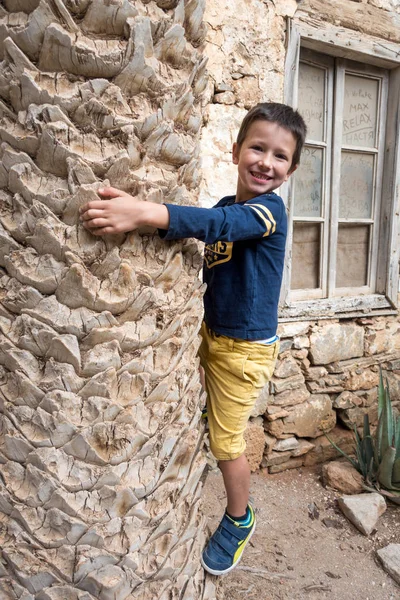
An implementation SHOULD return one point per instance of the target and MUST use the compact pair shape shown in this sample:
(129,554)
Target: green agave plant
(378,454)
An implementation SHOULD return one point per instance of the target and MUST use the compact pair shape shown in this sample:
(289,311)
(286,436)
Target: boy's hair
(283,115)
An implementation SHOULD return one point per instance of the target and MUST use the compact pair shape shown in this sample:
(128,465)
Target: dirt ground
(303,546)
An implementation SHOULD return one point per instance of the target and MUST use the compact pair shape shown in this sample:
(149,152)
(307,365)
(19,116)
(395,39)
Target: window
(342,245)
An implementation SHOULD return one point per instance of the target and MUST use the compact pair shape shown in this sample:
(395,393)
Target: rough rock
(347,400)
(270,442)
(303,448)
(323,449)
(377,342)
(261,404)
(336,342)
(288,444)
(390,557)
(289,383)
(293,329)
(363,510)
(292,463)
(255,442)
(355,416)
(362,379)
(309,419)
(342,476)
(224,98)
(290,397)
(287,367)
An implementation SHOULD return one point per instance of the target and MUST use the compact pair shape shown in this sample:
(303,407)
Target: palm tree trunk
(99,424)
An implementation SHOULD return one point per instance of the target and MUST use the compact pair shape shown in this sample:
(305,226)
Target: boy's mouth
(261,176)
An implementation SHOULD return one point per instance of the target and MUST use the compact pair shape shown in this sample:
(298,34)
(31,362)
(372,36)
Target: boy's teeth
(260,176)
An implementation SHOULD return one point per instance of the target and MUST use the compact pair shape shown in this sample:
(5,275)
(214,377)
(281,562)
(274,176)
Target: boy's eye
(283,156)
(256,147)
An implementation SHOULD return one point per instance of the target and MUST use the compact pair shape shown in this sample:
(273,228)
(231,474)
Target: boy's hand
(110,216)
(121,213)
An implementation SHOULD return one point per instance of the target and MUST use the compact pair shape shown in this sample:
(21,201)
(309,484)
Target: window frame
(372,52)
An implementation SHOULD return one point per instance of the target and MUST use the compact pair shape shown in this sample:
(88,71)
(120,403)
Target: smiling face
(264,159)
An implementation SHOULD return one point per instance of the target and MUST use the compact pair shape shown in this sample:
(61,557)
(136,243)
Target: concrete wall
(327,373)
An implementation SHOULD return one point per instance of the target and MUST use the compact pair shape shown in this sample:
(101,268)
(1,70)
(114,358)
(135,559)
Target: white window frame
(344,43)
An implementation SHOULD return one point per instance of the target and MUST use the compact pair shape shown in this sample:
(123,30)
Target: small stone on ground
(363,510)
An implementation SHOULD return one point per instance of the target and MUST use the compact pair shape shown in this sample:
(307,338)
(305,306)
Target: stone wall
(327,373)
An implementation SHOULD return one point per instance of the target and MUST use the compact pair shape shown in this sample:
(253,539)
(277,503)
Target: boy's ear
(292,170)
(235,153)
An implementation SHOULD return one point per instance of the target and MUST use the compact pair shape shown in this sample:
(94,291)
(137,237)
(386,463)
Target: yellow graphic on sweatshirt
(215,254)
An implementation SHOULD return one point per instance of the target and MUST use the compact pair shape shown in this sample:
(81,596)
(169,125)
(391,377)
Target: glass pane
(356,185)
(360,111)
(312,99)
(308,188)
(305,256)
(352,255)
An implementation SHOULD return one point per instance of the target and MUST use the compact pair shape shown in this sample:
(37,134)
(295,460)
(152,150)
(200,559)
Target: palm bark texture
(100,461)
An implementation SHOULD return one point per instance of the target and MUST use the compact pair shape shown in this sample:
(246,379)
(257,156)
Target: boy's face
(264,159)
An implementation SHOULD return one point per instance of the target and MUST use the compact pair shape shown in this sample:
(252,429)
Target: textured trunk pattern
(99,420)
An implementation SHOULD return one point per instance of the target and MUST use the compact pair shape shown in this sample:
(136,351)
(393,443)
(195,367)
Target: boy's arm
(121,213)
(255,219)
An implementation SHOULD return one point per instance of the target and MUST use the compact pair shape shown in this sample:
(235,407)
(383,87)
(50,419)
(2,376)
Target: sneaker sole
(214,572)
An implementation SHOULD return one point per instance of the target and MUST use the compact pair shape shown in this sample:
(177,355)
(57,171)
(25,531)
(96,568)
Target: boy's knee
(227,451)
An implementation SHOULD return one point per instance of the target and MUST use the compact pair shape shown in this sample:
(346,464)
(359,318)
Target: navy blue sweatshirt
(243,261)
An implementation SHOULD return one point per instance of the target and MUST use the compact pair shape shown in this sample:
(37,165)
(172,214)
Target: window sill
(337,308)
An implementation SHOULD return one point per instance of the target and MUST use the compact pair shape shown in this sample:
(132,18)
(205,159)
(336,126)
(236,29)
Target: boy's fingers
(97,204)
(91,213)
(95,223)
(111,192)
(102,231)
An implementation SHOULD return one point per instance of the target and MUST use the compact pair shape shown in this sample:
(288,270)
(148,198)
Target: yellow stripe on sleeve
(260,214)
(268,213)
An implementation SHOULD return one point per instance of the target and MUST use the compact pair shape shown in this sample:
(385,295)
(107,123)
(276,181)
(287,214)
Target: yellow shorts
(235,373)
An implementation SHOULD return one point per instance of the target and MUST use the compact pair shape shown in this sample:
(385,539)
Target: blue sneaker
(225,548)
(204,414)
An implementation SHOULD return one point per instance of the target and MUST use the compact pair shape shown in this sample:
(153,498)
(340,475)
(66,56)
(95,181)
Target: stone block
(270,442)
(287,367)
(323,449)
(303,448)
(355,416)
(224,98)
(347,400)
(276,458)
(342,476)
(300,354)
(301,341)
(276,412)
(311,418)
(290,383)
(290,397)
(292,463)
(390,558)
(315,373)
(255,442)
(261,404)
(290,443)
(377,342)
(293,329)
(336,342)
(363,510)
(361,379)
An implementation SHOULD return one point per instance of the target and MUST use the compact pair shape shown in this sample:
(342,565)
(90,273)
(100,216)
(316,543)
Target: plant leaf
(351,460)
(386,469)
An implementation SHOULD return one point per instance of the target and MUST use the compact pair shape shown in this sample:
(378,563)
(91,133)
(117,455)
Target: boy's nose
(265,161)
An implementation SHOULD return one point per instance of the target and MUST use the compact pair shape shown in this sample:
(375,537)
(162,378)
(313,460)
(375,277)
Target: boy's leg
(234,375)
(236,474)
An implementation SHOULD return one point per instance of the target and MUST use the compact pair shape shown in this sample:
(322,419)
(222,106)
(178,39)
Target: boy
(245,239)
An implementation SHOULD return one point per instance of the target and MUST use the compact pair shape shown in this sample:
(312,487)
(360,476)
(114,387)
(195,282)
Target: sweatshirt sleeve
(253,219)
